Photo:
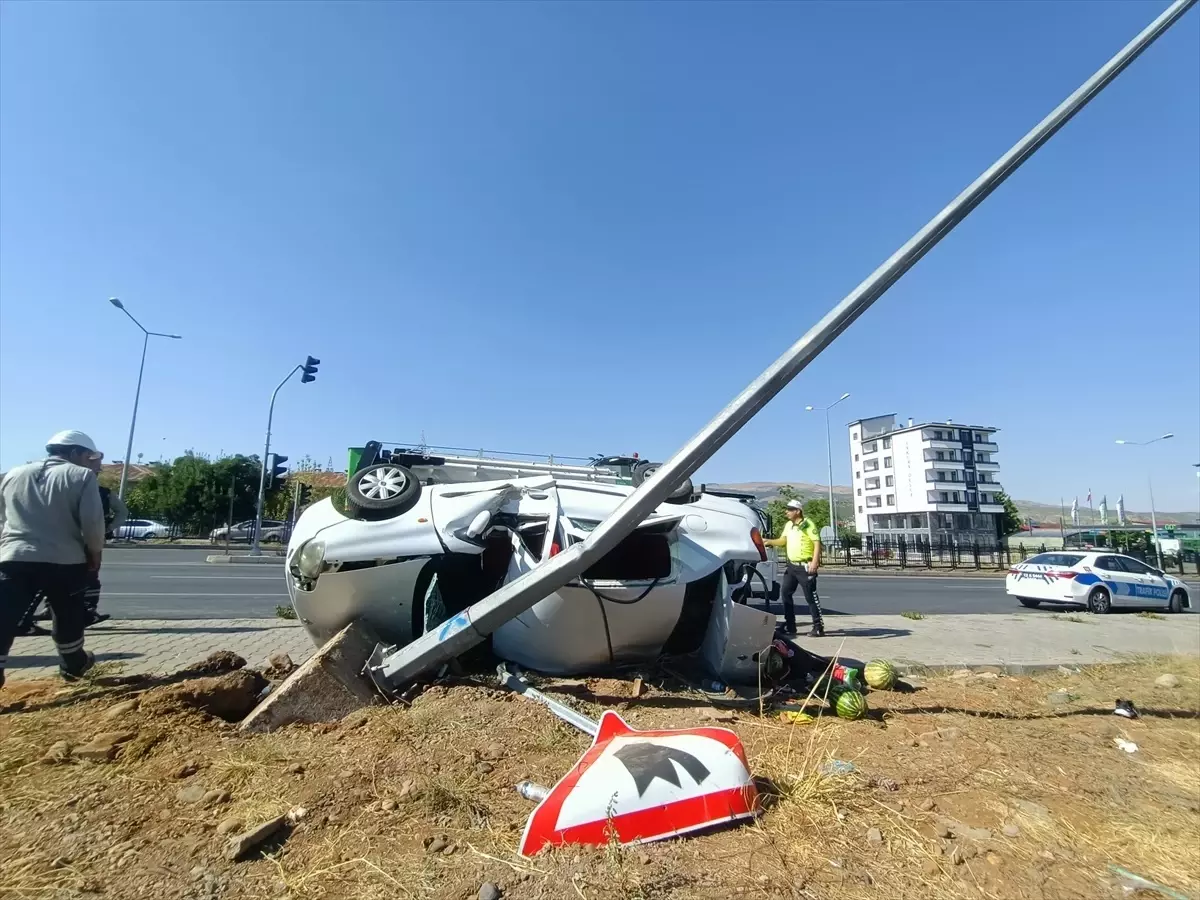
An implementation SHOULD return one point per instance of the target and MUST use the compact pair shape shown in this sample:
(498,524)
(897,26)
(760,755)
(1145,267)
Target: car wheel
(644,470)
(149,536)
(1099,601)
(1176,602)
(1032,604)
(383,491)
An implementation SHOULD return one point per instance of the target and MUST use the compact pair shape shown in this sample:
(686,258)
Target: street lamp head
(1122,442)
(115,302)
(810,408)
(1169,434)
(843,397)
(176,337)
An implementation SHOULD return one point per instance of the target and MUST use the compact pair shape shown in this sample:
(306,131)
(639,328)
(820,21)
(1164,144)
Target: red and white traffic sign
(645,786)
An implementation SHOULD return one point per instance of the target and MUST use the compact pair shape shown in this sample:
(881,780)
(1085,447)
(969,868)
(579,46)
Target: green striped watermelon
(851,705)
(880,674)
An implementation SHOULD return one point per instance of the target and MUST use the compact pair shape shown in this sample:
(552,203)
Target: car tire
(644,470)
(382,491)
(1099,601)
(1031,604)
(1175,604)
(149,536)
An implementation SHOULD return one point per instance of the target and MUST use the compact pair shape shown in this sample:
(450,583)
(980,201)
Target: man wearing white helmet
(51,538)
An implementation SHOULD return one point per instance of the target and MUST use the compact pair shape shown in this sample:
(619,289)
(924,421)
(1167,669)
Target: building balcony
(871,484)
(936,496)
(942,445)
(987,466)
(956,465)
(986,446)
(990,486)
(991,507)
(951,507)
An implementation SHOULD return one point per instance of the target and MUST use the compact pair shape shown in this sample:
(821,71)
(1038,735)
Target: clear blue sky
(583,228)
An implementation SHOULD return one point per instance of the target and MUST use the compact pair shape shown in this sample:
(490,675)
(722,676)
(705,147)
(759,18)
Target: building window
(872,484)
(957,497)
(887,443)
(963,522)
(854,435)
(891,499)
(871,447)
(978,436)
(941,476)
(970,496)
(939,454)
(860,509)
(856,457)
(889,481)
(983,498)
(859,492)
(871,465)
(937,435)
(916,522)
(873,503)
(887,462)
(945,497)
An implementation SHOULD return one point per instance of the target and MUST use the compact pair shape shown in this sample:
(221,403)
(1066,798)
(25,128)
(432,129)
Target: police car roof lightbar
(392,668)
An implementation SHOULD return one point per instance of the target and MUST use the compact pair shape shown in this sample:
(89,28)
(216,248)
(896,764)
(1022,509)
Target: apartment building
(935,480)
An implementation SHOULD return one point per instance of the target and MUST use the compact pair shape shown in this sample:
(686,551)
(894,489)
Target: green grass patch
(913,614)
(1147,614)
(284,612)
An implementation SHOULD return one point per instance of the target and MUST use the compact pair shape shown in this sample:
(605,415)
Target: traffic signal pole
(255,549)
(309,368)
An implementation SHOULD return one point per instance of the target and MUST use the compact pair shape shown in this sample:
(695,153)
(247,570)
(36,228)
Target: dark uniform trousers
(796,575)
(64,588)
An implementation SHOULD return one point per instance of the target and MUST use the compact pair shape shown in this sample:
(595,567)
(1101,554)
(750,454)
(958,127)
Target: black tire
(1031,604)
(1175,604)
(644,470)
(1099,601)
(382,491)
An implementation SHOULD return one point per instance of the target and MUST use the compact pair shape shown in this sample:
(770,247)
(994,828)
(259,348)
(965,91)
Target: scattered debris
(1126,709)
(295,769)
(875,837)
(913,615)
(838,767)
(279,666)
(248,841)
(638,687)
(1011,831)
(531,790)
(1127,746)
(489,891)
(795,717)
(296,814)
(568,715)
(187,770)
(59,752)
(1060,698)
(230,825)
(124,708)
(1167,680)
(1069,670)
(229,696)
(1133,882)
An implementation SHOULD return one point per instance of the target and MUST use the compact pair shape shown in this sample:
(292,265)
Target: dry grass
(958,754)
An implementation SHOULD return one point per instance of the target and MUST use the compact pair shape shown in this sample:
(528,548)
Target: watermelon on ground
(880,674)
(851,705)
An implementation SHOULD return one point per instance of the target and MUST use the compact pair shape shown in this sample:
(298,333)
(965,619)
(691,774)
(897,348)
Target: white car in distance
(1097,580)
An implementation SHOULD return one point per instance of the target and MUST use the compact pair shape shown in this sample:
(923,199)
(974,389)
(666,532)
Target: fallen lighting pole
(391,668)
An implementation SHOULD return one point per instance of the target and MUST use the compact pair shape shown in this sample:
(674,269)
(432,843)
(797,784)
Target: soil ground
(979,785)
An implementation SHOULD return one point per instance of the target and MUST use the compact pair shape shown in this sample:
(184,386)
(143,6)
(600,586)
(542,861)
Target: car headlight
(310,559)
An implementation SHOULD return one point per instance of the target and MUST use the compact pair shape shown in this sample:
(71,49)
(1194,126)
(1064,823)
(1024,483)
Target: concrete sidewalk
(947,641)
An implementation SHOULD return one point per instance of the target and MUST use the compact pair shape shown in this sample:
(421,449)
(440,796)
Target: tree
(193,493)
(816,509)
(1010,520)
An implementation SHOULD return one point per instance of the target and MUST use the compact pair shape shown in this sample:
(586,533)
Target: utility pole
(1150,484)
(829,456)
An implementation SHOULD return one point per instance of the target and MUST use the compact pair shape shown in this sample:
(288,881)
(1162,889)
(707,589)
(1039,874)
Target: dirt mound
(217,663)
(230,696)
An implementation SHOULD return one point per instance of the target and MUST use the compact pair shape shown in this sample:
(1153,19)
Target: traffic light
(303,494)
(310,370)
(275,469)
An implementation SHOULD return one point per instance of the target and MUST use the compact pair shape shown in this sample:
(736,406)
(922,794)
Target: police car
(1096,580)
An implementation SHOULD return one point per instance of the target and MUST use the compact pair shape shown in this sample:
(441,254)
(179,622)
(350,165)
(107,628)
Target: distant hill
(1041,513)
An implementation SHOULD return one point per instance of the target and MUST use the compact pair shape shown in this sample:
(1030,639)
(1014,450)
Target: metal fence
(899,552)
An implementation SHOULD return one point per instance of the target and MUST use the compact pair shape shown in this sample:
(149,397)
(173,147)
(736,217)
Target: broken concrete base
(327,687)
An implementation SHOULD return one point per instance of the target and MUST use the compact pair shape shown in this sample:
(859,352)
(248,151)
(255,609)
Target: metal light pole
(829,456)
(1150,484)
(146,335)
(309,367)
(1196,466)
(390,667)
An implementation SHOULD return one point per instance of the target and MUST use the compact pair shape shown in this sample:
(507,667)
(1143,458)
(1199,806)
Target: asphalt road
(178,584)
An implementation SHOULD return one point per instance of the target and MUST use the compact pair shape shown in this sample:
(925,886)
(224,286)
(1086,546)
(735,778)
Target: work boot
(818,630)
(32,630)
(77,670)
(97,618)
(789,629)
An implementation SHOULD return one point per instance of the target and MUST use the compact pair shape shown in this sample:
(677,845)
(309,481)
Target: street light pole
(255,550)
(829,458)
(1150,484)
(137,396)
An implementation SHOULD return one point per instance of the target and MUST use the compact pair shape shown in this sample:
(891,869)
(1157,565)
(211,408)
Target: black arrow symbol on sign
(646,761)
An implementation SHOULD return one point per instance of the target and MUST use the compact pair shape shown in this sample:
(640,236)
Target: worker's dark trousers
(64,588)
(797,576)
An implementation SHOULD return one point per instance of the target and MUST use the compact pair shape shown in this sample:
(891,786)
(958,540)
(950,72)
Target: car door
(1124,583)
(1151,588)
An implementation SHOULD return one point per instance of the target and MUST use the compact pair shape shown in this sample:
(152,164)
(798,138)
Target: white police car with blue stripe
(1096,580)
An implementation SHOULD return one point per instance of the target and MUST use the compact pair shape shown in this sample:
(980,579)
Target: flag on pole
(1075,511)
(1104,510)
(1121,510)
(1089,497)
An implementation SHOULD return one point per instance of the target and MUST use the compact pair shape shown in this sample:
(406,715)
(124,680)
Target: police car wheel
(1176,602)
(1098,601)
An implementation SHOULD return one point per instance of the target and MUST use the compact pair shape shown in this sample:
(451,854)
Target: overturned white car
(411,556)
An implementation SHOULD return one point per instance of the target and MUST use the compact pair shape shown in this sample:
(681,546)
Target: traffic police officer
(801,540)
